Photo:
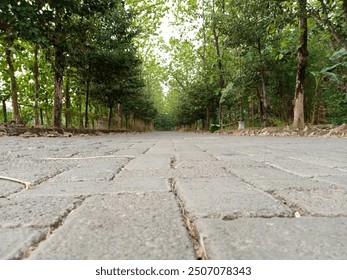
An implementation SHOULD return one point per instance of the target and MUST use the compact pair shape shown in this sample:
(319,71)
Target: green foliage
(258,45)
(225,59)
(90,43)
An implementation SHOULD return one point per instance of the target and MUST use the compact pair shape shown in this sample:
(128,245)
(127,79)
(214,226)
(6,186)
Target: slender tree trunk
(80,110)
(67,102)
(208,118)
(110,117)
(86,115)
(261,105)
(299,116)
(263,85)
(345,9)
(41,116)
(119,116)
(132,120)
(14,89)
(221,75)
(48,116)
(58,87)
(219,66)
(315,101)
(4,110)
(37,86)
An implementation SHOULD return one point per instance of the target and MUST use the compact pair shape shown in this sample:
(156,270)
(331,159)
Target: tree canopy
(173,64)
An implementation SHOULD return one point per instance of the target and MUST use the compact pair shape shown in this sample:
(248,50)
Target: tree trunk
(58,87)
(110,117)
(67,102)
(80,110)
(263,86)
(11,71)
(37,86)
(4,110)
(41,116)
(208,118)
(299,116)
(132,120)
(315,101)
(119,116)
(261,105)
(345,9)
(219,67)
(86,116)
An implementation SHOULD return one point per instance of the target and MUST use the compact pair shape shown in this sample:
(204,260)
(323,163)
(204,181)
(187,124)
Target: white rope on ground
(95,157)
(27,185)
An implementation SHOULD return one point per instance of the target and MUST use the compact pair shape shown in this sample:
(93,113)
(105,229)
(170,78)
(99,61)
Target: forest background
(156,64)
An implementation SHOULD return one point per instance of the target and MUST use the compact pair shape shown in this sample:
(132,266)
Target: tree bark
(4,110)
(208,118)
(132,120)
(37,86)
(11,71)
(219,67)
(110,117)
(58,87)
(67,102)
(261,105)
(80,110)
(263,86)
(302,54)
(119,116)
(86,115)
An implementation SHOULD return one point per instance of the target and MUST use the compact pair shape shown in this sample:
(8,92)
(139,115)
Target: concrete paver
(15,241)
(275,238)
(34,211)
(128,226)
(128,196)
(228,198)
(117,185)
(316,202)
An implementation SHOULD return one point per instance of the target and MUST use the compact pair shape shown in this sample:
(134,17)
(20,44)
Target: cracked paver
(134,196)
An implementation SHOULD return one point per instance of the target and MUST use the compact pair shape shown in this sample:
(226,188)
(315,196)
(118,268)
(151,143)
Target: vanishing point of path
(173,196)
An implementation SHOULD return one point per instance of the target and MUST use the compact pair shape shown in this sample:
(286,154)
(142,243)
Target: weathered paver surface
(173,196)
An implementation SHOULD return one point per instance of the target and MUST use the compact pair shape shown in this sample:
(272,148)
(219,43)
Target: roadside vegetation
(103,64)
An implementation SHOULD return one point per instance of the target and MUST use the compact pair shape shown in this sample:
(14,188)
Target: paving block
(14,241)
(7,188)
(261,172)
(304,169)
(299,183)
(193,156)
(95,169)
(24,210)
(338,180)
(128,226)
(118,185)
(227,198)
(149,161)
(199,169)
(303,238)
(316,202)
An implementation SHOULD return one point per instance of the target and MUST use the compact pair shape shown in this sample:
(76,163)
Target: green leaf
(334,77)
(338,54)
